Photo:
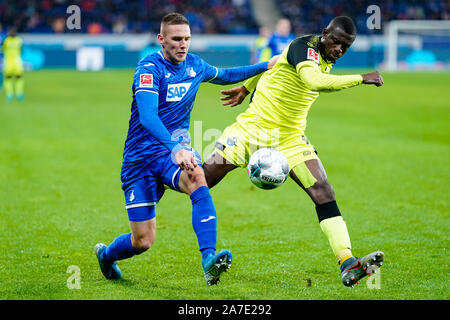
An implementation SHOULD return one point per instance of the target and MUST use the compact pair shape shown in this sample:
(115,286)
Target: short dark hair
(344,23)
(174,18)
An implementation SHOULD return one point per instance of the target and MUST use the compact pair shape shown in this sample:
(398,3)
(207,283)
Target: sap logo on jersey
(176,92)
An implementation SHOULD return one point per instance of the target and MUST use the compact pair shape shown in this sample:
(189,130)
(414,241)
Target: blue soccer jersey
(173,88)
(277,43)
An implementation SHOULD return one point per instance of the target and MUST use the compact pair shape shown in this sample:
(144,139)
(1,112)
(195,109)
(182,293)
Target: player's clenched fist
(373,78)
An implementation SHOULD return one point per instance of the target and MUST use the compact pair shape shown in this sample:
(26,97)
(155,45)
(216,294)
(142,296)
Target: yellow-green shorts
(13,68)
(238,142)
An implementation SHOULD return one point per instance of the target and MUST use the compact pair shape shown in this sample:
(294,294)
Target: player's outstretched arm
(315,80)
(237,74)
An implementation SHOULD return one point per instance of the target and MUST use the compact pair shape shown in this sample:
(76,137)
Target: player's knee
(142,244)
(197,178)
(322,192)
(216,168)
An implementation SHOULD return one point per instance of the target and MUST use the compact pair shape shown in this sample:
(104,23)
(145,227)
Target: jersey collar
(176,66)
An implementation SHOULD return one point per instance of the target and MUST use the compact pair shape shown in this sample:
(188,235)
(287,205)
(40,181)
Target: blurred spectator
(59,25)
(260,50)
(120,25)
(94,28)
(269,44)
(281,37)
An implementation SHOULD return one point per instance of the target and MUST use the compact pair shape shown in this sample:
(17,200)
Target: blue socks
(204,220)
(204,223)
(120,249)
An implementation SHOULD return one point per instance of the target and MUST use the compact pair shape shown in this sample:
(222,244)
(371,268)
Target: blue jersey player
(157,152)
(281,38)
(2,37)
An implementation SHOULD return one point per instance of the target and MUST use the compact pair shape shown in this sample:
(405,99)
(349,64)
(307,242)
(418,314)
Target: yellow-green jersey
(285,93)
(12,48)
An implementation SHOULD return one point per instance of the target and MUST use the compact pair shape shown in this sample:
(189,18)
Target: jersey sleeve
(146,90)
(251,83)
(147,78)
(299,51)
(232,75)
(210,72)
(315,80)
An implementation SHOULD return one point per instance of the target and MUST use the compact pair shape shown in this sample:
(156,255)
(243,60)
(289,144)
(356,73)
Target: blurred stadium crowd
(131,16)
(205,16)
(311,16)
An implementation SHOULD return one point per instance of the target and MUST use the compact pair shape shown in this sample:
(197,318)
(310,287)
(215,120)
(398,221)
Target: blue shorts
(144,193)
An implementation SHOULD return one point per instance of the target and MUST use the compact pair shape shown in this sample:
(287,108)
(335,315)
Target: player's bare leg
(216,168)
(143,234)
(317,185)
(193,182)
(312,178)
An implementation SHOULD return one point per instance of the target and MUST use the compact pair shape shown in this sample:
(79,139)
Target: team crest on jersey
(313,41)
(190,72)
(146,80)
(176,92)
(313,55)
(232,141)
(131,198)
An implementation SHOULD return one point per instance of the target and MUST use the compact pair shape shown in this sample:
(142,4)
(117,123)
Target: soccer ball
(268,168)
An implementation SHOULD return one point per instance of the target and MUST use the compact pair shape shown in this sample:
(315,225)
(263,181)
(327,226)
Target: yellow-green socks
(9,87)
(335,229)
(19,86)
(14,86)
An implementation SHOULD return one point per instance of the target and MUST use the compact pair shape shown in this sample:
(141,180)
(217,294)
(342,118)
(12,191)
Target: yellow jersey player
(276,117)
(260,51)
(12,66)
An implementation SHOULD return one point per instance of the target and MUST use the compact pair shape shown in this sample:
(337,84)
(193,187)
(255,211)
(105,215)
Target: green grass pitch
(386,152)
